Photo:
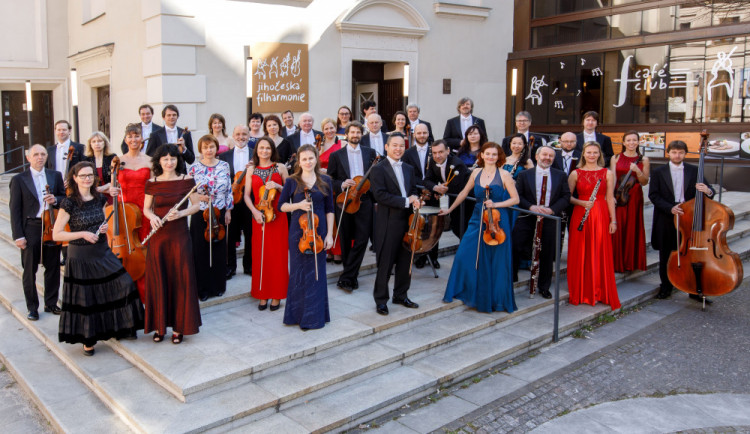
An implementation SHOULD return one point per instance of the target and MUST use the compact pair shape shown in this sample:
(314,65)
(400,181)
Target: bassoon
(534,279)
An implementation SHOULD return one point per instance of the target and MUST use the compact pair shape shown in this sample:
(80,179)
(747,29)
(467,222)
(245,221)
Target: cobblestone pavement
(688,352)
(17,413)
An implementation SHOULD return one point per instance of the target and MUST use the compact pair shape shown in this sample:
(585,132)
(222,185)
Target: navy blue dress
(488,287)
(307,299)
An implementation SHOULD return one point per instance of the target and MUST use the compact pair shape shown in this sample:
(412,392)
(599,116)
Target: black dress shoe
(229,275)
(419,263)
(545,294)
(381,309)
(435,264)
(219,294)
(406,303)
(203,297)
(273,308)
(248,272)
(345,285)
(355,284)
(33,316)
(663,294)
(699,299)
(52,309)
(263,306)
(88,352)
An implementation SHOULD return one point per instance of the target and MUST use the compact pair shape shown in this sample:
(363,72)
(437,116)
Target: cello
(412,240)
(122,235)
(703,264)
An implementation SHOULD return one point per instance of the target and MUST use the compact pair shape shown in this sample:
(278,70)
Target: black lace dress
(99,299)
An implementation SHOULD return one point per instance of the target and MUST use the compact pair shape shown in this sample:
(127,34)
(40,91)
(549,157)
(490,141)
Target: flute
(591,198)
(174,208)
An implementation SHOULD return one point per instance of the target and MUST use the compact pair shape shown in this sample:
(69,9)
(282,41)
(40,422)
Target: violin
(184,131)
(215,231)
(622,194)
(319,143)
(703,264)
(238,186)
(122,234)
(67,158)
(350,199)
(48,222)
(310,243)
(493,234)
(407,134)
(265,205)
(413,237)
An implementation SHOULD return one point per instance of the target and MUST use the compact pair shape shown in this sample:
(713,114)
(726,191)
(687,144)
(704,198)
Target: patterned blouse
(218,182)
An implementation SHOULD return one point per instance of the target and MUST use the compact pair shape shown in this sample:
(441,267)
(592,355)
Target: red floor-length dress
(133,187)
(325,157)
(591,274)
(276,247)
(172,296)
(629,242)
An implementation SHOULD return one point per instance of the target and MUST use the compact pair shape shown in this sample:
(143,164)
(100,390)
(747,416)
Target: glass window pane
(723,76)
(626,24)
(568,33)
(536,88)
(685,103)
(544,8)
(543,36)
(563,83)
(595,29)
(639,93)
(658,20)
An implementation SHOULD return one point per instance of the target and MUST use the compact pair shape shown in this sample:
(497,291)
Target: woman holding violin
(270,229)
(99,299)
(97,151)
(308,195)
(482,274)
(132,176)
(591,274)
(208,228)
(632,171)
(330,144)
(172,297)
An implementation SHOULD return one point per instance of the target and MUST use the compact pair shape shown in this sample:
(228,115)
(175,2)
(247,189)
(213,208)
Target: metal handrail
(22,166)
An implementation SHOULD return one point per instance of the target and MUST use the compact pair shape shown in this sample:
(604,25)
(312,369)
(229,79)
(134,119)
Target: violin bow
(312,223)
(677,230)
(262,250)
(341,217)
(210,229)
(479,237)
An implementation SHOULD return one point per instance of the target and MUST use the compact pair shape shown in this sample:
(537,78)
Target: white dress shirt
(567,159)
(540,174)
(589,137)
(172,135)
(241,157)
(422,151)
(61,156)
(442,169)
(40,182)
(399,171)
(306,138)
(466,122)
(678,181)
(290,131)
(376,142)
(356,164)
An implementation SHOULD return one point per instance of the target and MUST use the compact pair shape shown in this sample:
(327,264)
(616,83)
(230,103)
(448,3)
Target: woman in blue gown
(485,284)
(307,293)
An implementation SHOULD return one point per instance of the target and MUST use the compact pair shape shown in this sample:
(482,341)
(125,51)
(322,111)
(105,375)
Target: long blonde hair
(89,152)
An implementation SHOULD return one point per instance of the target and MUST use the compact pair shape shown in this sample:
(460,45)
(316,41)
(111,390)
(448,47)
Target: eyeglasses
(88,176)
(523,121)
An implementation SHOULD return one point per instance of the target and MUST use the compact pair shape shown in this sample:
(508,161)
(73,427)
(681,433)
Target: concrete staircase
(247,372)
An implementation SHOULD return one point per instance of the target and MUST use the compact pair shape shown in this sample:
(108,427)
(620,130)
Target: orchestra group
(147,235)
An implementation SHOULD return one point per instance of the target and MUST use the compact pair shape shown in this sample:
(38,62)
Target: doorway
(382,82)
(15,125)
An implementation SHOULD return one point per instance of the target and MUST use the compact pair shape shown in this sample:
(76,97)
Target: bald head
(568,141)
(37,156)
(421,134)
(374,123)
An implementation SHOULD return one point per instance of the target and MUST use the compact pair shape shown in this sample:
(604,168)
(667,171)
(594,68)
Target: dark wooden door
(15,123)
(102,109)
(390,99)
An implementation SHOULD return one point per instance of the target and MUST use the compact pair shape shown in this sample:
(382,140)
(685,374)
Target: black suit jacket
(452,134)
(338,165)
(559,194)
(159,137)
(365,141)
(106,167)
(24,200)
(604,141)
(411,157)
(294,139)
(431,138)
(661,194)
(392,214)
(559,164)
(434,176)
(154,127)
(52,155)
(283,133)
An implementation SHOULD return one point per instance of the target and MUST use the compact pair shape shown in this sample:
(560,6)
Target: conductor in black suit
(589,134)
(557,197)
(344,165)
(58,154)
(146,113)
(456,127)
(412,112)
(27,201)
(395,189)
(173,134)
(671,185)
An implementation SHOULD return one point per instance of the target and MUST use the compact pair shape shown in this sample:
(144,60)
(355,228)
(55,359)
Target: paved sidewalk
(17,413)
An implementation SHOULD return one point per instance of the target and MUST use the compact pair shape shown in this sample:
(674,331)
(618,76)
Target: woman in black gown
(100,300)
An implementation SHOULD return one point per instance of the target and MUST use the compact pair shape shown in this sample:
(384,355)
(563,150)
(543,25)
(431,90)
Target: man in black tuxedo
(418,156)
(437,173)
(455,128)
(27,202)
(239,159)
(567,159)
(304,136)
(59,158)
(523,124)
(529,185)
(589,134)
(171,133)
(395,189)
(412,112)
(146,113)
(355,230)
(289,128)
(671,185)
(374,137)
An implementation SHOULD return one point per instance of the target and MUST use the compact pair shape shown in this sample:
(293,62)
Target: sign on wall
(280,77)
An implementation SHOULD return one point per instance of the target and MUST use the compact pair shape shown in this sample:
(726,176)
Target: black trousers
(354,233)
(391,253)
(50,259)
(242,223)
(211,278)
(523,248)
(666,285)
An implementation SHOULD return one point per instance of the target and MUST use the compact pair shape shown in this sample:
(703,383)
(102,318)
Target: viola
(350,199)
(122,234)
(48,222)
(493,234)
(238,186)
(265,205)
(703,264)
(622,194)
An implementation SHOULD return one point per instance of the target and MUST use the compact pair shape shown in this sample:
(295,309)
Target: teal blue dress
(489,286)
(509,168)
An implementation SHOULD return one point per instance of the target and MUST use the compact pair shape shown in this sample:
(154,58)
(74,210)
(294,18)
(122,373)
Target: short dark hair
(167,150)
(354,124)
(368,104)
(439,142)
(287,111)
(274,152)
(63,121)
(590,114)
(208,138)
(392,135)
(169,107)
(146,106)
(255,115)
(272,118)
(678,145)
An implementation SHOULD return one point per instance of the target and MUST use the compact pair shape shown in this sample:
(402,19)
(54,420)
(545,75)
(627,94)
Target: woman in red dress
(330,145)
(629,242)
(591,274)
(132,177)
(270,247)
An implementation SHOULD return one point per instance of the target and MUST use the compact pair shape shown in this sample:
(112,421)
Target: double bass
(703,264)
(122,234)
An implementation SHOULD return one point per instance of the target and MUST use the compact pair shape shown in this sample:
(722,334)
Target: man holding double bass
(355,228)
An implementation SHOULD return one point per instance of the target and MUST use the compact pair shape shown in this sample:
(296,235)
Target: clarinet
(593,195)
(534,280)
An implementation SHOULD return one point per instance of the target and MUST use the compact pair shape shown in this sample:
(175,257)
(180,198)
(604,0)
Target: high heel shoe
(88,352)
(263,306)
(275,307)
(177,338)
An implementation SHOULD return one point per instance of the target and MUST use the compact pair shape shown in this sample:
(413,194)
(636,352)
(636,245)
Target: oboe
(534,280)
(174,208)
(593,199)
